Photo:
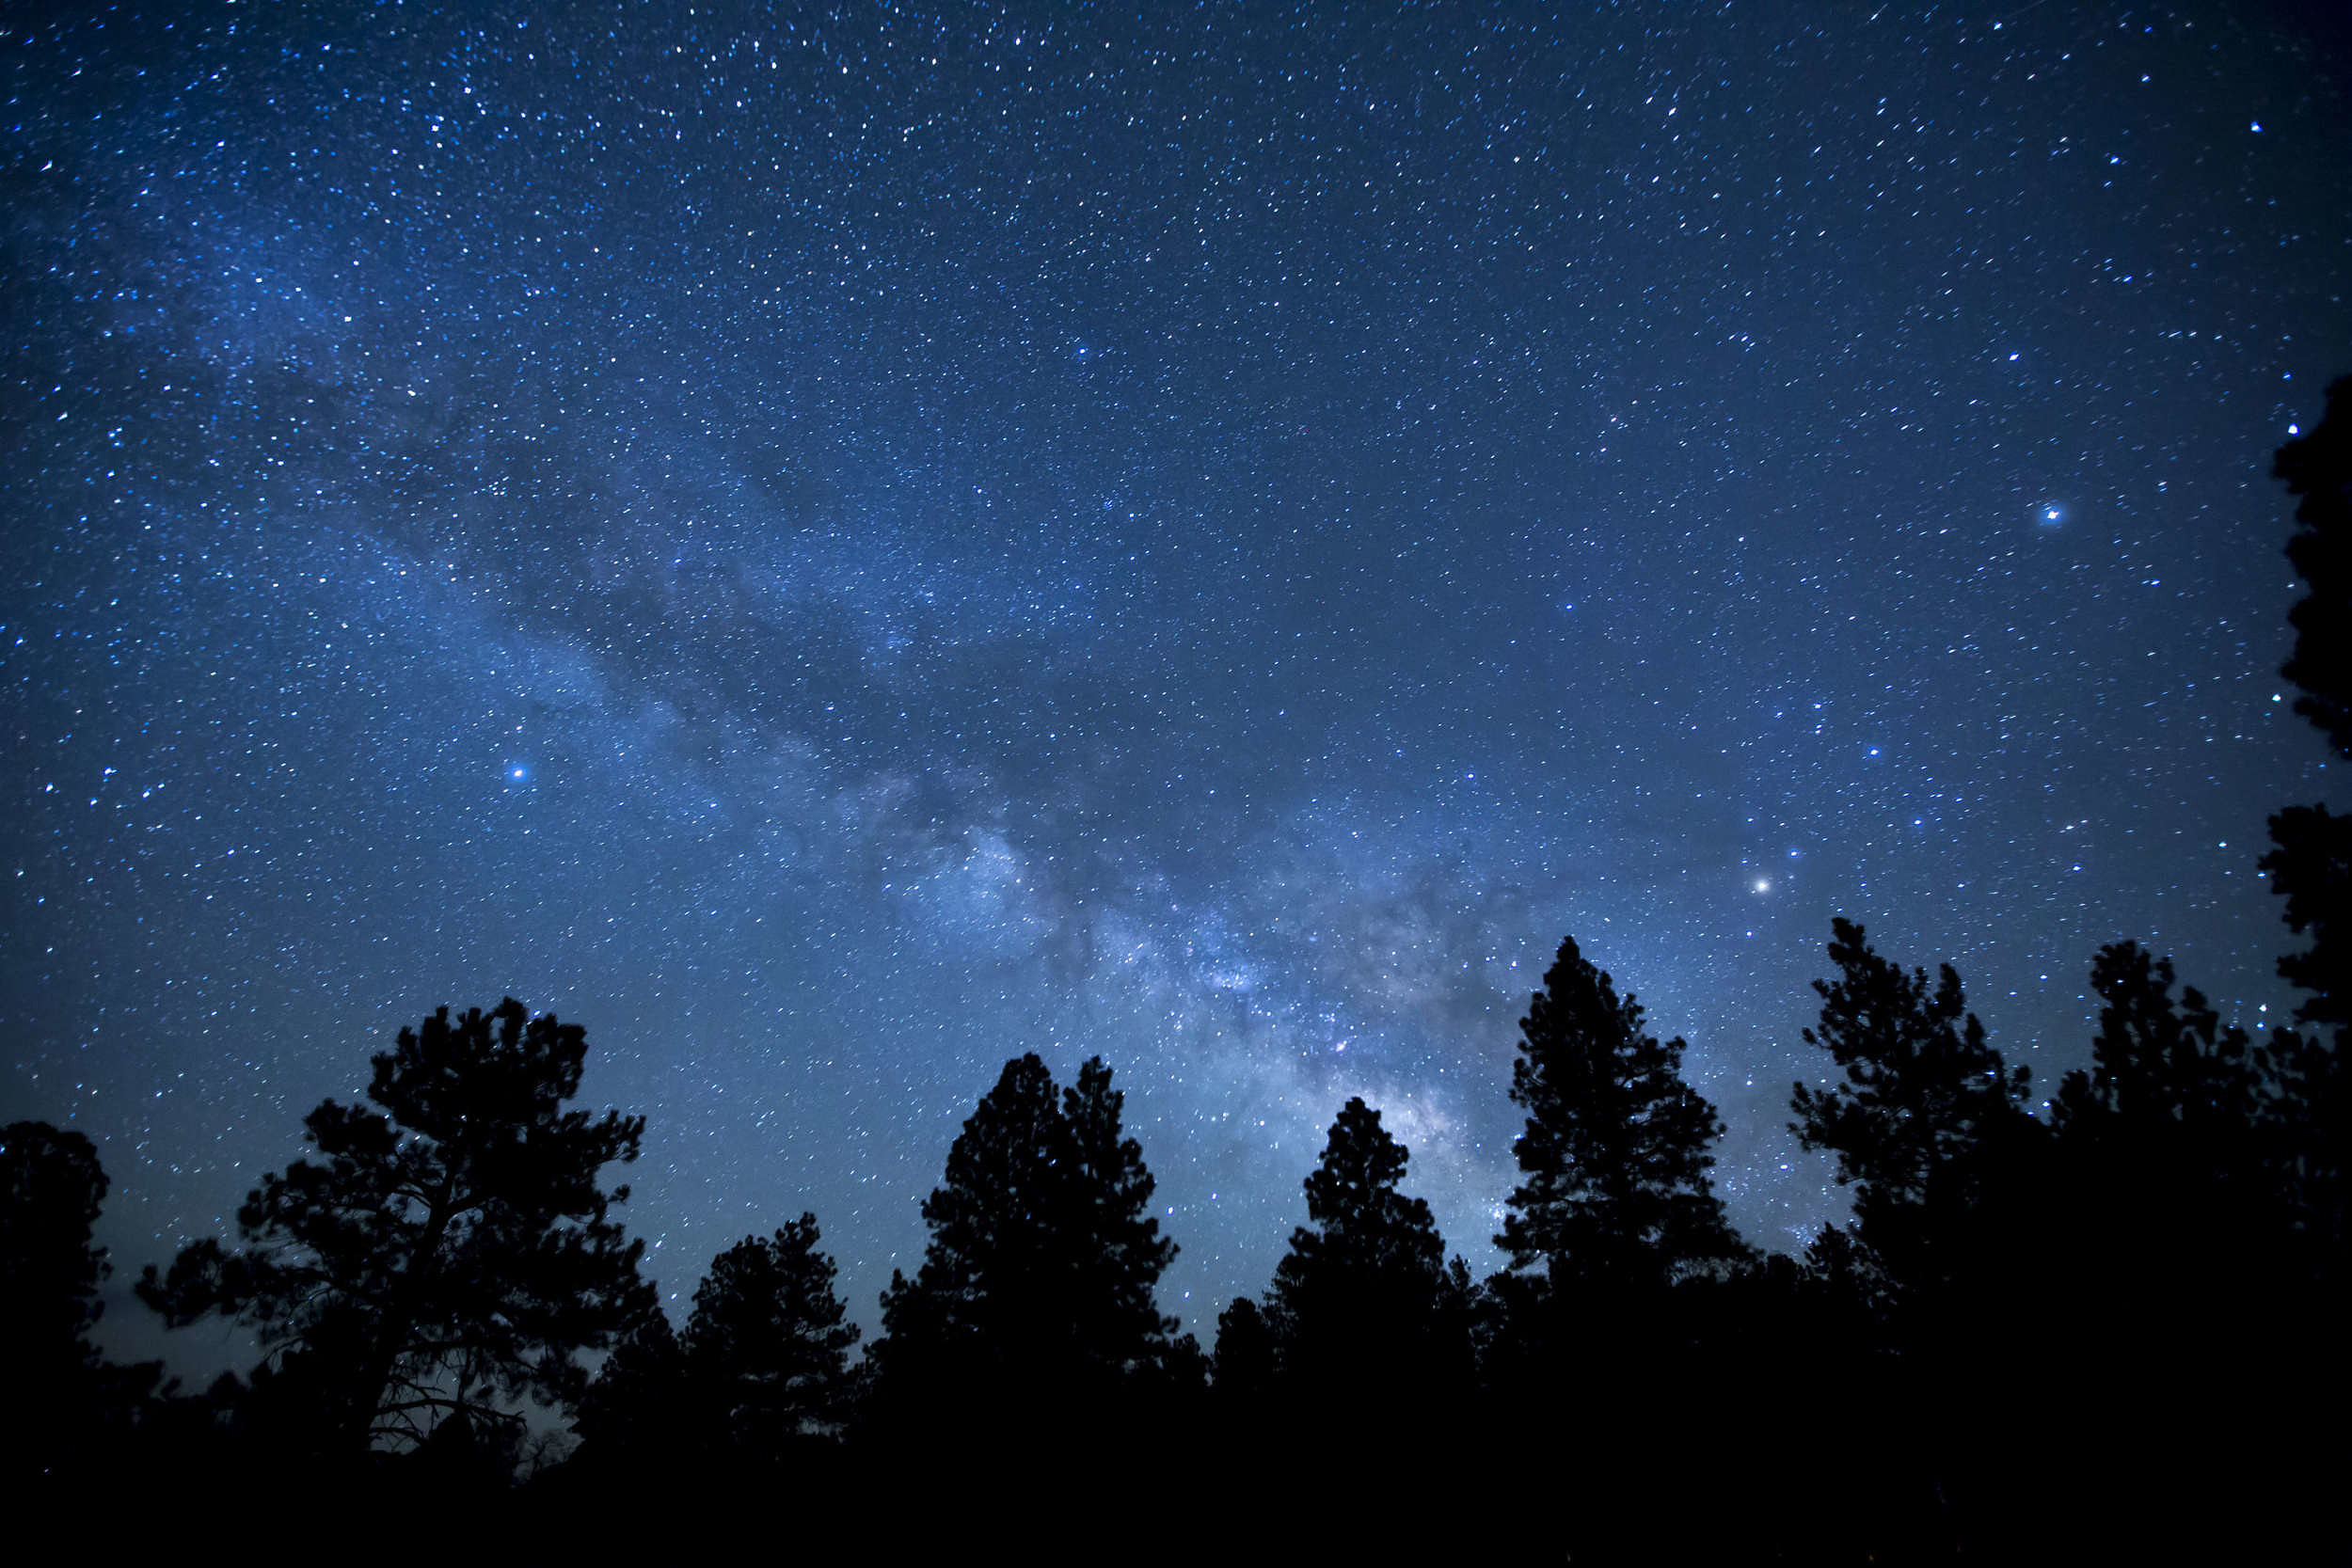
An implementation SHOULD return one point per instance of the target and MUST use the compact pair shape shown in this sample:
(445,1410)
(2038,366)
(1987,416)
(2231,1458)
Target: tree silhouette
(2163,1188)
(1245,1365)
(67,1404)
(2161,1068)
(1929,1120)
(2310,859)
(1036,1286)
(1846,1276)
(1364,1283)
(637,1413)
(766,1348)
(2318,469)
(981,1302)
(51,1188)
(1114,1244)
(2305,1097)
(1928,1126)
(1616,1148)
(444,1256)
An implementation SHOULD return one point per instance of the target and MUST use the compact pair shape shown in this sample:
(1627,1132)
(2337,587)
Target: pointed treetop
(1616,1147)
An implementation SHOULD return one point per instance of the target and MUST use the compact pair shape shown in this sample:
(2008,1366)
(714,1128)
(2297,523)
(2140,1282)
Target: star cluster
(837,546)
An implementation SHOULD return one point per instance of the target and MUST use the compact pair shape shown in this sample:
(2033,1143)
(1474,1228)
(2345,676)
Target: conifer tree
(51,1187)
(2305,1097)
(766,1348)
(1362,1285)
(1616,1148)
(2318,469)
(1928,1123)
(63,1396)
(2161,1068)
(1114,1240)
(636,1413)
(982,1301)
(1245,1362)
(2160,1183)
(2308,1105)
(1042,1263)
(446,1254)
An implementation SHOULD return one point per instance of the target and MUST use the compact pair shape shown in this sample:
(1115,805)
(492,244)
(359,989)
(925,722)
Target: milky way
(834,548)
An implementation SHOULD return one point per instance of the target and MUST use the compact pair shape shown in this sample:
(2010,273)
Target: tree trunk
(399,1317)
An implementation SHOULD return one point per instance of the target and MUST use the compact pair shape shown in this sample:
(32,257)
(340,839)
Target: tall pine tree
(2159,1189)
(1616,1149)
(2164,1069)
(1245,1360)
(51,1187)
(447,1255)
(1115,1243)
(767,1347)
(1037,1284)
(1927,1123)
(636,1414)
(2309,1105)
(66,1403)
(1362,1292)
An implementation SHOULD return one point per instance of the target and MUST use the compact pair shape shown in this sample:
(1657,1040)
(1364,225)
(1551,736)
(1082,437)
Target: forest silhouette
(2120,1324)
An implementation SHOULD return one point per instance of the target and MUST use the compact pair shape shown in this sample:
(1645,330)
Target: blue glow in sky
(837,547)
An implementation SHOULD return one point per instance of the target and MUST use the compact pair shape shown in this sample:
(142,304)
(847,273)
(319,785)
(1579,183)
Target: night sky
(836,546)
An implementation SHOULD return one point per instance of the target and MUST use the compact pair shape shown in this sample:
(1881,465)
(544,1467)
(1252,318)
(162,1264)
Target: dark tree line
(2126,1315)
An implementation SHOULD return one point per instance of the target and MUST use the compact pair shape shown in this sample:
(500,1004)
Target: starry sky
(837,546)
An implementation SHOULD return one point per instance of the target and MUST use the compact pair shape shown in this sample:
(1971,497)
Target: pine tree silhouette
(2311,860)
(1034,1293)
(68,1404)
(1363,1285)
(1616,1149)
(1928,1121)
(636,1414)
(2166,1222)
(51,1190)
(765,1356)
(447,1255)
(1245,1365)
(1114,1242)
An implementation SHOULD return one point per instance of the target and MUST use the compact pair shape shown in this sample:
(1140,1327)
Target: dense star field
(837,547)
